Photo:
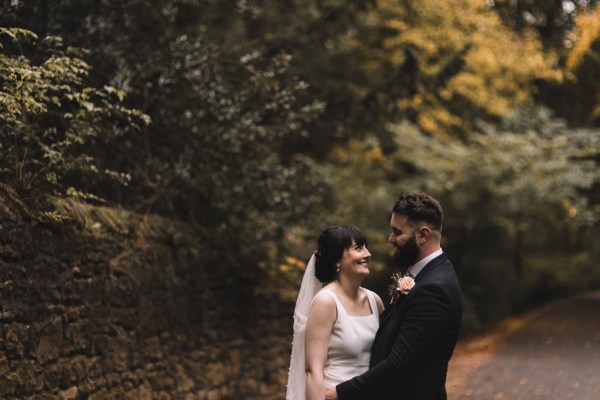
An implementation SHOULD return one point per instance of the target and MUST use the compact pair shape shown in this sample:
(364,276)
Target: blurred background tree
(272,120)
(571,29)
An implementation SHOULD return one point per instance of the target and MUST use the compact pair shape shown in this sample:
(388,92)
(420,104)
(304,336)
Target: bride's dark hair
(330,249)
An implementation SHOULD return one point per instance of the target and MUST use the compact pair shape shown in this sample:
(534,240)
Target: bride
(334,324)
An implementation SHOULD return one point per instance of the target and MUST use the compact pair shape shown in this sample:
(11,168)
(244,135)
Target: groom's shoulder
(442,269)
(441,264)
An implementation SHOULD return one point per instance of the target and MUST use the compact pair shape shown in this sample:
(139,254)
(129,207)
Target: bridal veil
(296,386)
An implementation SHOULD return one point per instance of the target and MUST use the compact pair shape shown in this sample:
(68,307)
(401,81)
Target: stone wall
(110,305)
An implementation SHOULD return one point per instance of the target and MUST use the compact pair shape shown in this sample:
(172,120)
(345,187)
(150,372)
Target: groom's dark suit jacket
(415,341)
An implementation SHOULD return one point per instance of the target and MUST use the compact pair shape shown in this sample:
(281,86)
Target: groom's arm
(427,317)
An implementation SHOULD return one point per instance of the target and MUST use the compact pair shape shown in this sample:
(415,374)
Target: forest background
(259,123)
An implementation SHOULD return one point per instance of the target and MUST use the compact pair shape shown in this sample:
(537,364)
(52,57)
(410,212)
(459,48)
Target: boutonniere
(401,286)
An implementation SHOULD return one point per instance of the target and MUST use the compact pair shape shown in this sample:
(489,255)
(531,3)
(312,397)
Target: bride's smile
(355,259)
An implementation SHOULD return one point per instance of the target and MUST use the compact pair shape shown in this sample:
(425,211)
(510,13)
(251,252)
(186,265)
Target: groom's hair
(420,208)
(330,249)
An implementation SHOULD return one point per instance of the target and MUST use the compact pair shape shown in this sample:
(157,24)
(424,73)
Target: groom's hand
(330,393)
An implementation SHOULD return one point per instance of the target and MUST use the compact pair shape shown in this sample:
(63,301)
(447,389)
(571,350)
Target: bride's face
(355,260)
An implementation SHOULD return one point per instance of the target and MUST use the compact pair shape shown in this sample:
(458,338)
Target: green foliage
(518,174)
(272,120)
(50,119)
(224,111)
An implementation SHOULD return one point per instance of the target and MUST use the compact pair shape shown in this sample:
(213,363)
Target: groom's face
(403,237)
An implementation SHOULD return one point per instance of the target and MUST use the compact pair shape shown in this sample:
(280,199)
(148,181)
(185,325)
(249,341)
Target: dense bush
(55,127)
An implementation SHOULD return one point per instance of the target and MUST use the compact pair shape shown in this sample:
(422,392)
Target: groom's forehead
(399,220)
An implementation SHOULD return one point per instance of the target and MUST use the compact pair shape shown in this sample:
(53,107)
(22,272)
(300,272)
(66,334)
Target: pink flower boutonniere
(401,286)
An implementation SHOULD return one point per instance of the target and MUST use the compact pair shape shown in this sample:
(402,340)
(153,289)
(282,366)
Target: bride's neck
(349,288)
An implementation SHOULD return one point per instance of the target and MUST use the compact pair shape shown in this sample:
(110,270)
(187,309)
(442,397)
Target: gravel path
(553,353)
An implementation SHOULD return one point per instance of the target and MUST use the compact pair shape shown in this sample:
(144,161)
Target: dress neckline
(337,299)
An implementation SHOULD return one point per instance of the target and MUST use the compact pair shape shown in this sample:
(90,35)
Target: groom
(418,332)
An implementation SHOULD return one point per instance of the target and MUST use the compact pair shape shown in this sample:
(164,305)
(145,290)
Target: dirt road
(553,353)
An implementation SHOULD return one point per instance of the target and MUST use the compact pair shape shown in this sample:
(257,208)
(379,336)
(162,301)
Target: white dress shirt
(415,269)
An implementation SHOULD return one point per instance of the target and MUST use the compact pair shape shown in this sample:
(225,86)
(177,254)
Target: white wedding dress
(349,349)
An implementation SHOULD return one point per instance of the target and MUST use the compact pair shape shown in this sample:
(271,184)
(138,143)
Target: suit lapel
(431,265)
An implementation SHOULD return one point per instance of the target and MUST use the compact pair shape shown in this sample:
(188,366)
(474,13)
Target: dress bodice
(349,349)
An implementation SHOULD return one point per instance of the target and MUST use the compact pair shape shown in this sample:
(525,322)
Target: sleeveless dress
(349,349)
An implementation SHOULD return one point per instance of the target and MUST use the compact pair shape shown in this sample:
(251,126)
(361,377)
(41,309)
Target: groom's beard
(406,255)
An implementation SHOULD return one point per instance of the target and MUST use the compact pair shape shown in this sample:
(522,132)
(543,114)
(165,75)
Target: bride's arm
(380,306)
(322,316)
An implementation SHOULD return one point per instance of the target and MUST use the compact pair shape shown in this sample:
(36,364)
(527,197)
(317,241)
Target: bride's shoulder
(325,295)
(324,298)
(323,306)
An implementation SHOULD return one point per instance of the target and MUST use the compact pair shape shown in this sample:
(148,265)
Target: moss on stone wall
(108,304)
